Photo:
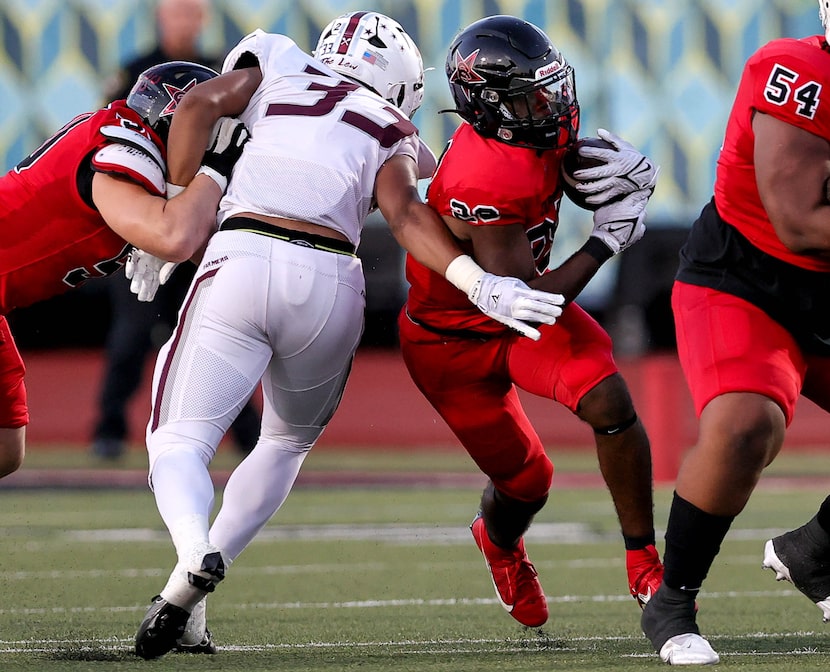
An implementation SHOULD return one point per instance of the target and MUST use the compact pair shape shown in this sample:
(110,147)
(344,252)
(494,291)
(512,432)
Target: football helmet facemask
(159,89)
(375,51)
(510,83)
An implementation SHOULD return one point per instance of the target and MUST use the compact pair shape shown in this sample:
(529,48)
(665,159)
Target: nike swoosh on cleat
(507,607)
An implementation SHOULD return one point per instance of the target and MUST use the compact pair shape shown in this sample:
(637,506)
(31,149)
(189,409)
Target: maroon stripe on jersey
(184,322)
(346,40)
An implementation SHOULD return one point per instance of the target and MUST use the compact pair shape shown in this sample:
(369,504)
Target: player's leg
(313,341)
(745,373)
(466,383)
(573,364)
(204,375)
(624,458)
(12,449)
(314,344)
(14,411)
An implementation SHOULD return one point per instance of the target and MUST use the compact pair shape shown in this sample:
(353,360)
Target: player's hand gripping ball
(572,162)
(603,170)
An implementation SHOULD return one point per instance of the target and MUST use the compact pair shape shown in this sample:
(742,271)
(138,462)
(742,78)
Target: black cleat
(668,620)
(162,627)
(802,557)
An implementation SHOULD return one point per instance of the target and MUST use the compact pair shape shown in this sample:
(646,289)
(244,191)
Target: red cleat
(514,578)
(645,573)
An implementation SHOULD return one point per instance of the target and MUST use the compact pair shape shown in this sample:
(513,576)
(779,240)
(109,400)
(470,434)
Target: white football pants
(258,310)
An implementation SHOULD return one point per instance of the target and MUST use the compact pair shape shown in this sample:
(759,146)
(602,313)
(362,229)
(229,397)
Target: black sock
(693,539)
(638,543)
(507,519)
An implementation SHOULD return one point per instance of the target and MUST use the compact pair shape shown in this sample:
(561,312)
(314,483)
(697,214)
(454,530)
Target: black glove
(224,149)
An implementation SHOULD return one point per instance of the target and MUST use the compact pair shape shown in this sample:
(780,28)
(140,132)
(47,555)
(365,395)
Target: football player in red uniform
(752,315)
(73,209)
(498,188)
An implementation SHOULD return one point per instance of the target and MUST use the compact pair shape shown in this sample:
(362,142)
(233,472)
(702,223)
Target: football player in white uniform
(279,296)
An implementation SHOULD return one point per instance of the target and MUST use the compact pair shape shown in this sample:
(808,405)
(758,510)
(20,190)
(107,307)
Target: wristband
(464,272)
(214,175)
(595,248)
(173,190)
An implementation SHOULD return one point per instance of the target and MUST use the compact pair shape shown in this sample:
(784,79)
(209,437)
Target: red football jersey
(51,236)
(786,79)
(487,183)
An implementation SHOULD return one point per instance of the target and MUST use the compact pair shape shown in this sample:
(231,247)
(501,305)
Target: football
(573,161)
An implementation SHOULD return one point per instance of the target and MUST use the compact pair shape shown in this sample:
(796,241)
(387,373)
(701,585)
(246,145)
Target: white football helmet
(375,51)
(824,15)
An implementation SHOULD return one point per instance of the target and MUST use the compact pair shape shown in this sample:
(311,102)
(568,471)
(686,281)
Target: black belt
(456,333)
(302,238)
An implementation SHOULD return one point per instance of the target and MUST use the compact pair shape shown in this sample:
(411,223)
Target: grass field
(378,578)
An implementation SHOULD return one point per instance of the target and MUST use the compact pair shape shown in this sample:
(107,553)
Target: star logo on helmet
(175,94)
(465,73)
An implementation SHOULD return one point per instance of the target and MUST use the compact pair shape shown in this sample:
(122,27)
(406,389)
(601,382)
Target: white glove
(147,273)
(622,223)
(511,302)
(624,171)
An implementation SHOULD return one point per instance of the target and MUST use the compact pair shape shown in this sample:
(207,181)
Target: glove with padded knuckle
(622,223)
(147,273)
(510,301)
(227,140)
(624,170)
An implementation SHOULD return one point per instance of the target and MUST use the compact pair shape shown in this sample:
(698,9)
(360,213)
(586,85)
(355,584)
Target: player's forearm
(570,278)
(189,135)
(421,232)
(183,224)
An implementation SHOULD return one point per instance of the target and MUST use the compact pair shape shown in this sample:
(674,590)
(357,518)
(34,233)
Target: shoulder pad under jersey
(427,163)
(134,138)
(134,156)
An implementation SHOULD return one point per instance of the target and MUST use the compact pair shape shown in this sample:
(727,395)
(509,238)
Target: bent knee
(607,404)
(749,428)
(531,483)
(12,449)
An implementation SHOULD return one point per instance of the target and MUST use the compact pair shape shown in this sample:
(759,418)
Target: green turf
(382,579)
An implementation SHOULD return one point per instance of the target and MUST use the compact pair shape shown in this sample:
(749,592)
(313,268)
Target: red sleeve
(787,79)
(471,183)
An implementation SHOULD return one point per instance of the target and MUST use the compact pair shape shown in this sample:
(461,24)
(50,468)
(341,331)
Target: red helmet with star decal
(157,91)
(510,82)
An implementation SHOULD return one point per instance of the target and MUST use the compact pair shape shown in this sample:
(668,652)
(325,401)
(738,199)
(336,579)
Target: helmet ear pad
(484,118)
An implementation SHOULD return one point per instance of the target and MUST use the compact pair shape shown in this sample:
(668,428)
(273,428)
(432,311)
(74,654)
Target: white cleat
(688,649)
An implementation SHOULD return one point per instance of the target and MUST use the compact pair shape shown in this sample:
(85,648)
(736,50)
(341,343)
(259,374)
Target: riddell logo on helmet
(547,70)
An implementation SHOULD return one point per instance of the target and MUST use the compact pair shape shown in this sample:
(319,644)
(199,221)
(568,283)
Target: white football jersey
(320,138)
